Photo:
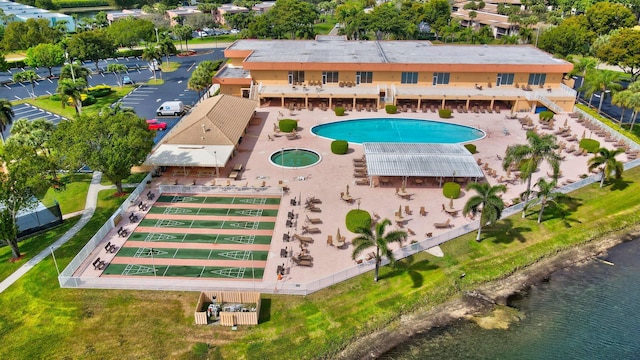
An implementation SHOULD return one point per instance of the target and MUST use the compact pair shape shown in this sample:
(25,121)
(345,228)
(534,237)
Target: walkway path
(89,209)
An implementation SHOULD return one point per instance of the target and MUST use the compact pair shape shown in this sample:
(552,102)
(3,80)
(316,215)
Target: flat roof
(336,49)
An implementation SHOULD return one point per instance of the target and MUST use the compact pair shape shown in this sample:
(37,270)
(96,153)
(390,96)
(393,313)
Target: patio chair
(444,225)
(313,220)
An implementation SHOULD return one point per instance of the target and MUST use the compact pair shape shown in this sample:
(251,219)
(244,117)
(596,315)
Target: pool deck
(331,176)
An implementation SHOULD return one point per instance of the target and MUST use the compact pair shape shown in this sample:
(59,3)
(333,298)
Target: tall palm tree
(70,90)
(610,165)
(6,116)
(546,194)
(486,202)
(368,238)
(529,156)
(602,82)
(152,55)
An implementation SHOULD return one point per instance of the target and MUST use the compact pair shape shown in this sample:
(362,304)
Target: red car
(156,125)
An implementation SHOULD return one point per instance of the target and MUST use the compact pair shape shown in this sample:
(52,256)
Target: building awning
(429,160)
(190,155)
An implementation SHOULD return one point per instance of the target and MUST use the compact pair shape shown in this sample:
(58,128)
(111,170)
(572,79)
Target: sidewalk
(89,209)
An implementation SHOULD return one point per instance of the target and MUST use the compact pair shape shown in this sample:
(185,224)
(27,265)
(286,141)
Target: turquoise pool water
(295,158)
(398,130)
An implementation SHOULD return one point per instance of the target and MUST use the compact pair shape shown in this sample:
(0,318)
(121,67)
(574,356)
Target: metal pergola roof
(429,160)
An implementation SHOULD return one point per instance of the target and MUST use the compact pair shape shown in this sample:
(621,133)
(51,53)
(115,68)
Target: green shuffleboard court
(211,211)
(218,200)
(201,238)
(185,271)
(208,224)
(203,254)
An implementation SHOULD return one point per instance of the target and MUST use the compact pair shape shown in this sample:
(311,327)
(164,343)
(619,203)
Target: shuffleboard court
(208,224)
(201,238)
(185,271)
(174,253)
(166,210)
(194,199)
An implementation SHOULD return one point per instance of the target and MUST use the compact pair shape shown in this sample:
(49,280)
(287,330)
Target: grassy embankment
(40,320)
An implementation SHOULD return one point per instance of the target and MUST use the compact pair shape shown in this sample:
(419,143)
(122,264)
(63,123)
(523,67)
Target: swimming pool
(398,130)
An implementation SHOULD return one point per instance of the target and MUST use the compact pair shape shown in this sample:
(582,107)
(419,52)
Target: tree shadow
(620,184)
(504,232)
(413,269)
(265,311)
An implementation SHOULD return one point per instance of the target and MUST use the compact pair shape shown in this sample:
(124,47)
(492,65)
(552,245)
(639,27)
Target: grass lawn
(55,106)
(32,246)
(39,320)
(74,195)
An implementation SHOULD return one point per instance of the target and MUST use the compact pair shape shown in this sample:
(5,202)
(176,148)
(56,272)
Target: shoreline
(481,300)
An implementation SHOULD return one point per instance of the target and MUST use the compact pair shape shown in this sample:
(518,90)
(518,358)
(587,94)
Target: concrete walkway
(89,209)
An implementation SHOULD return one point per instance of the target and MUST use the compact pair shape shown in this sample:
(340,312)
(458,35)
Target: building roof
(336,49)
(430,160)
(215,126)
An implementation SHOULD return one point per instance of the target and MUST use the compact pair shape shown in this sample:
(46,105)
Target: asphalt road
(145,99)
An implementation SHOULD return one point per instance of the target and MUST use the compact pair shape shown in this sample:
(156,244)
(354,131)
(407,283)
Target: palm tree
(27,76)
(529,156)
(6,116)
(152,55)
(607,158)
(70,90)
(380,240)
(546,193)
(601,81)
(486,202)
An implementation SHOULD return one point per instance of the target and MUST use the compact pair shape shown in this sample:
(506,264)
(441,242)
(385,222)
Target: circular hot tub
(295,158)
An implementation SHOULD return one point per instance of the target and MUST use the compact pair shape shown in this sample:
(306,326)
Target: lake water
(588,312)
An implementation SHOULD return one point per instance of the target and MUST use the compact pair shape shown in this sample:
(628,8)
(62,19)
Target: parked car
(126,80)
(156,125)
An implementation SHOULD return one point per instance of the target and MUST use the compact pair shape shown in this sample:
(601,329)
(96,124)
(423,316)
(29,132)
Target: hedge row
(80,3)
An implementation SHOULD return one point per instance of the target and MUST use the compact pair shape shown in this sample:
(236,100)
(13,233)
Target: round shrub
(339,111)
(471,148)
(339,147)
(444,113)
(89,100)
(546,115)
(288,125)
(357,219)
(590,145)
(451,190)
(55,97)
(391,109)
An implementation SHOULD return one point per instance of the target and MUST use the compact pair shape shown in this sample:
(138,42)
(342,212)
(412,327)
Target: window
(409,78)
(440,78)
(366,77)
(504,79)
(296,77)
(330,76)
(537,79)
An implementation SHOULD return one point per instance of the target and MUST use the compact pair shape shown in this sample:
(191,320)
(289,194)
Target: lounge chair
(444,225)
(313,220)
(313,230)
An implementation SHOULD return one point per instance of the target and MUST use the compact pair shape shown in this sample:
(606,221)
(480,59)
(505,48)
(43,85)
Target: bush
(471,148)
(546,115)
(339,111)
(339,147)
(99,91)
(357,219)
(89,100)
(391,109)
(590,145)
(288,125)
(451,190)
(444,113)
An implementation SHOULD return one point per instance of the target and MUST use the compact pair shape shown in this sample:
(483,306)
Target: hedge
(451,190)
(339,147)
(80,3)
(339,111)
(288,125)
(391,109)
(444,113)
(471,148)
(590,145)
(546,115)
(357,219)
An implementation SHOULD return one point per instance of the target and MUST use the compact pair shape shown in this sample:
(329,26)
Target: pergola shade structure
(420,160)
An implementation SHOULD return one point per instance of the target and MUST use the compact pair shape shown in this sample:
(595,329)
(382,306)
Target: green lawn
(72,197)
(39,320)
(55,106)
